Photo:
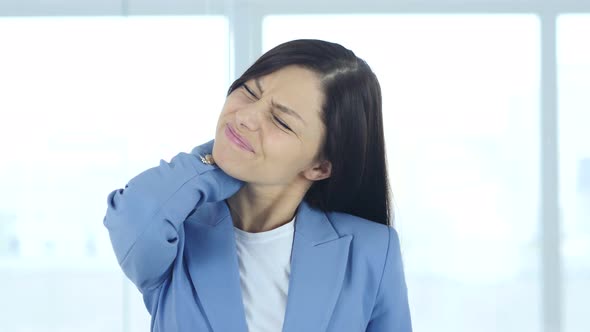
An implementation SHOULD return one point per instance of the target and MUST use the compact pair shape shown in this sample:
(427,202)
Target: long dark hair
(354,141)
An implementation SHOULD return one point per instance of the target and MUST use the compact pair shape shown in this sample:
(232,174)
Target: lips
(236,138)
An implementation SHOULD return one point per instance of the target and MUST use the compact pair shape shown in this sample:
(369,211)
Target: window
(77,124)
(460,103)
(573,55)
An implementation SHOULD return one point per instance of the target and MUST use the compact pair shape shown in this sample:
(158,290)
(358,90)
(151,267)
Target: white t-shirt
(265,266)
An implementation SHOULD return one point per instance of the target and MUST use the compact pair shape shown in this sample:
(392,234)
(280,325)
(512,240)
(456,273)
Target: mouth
(237,139)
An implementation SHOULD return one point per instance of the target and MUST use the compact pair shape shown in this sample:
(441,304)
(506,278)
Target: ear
(319,171)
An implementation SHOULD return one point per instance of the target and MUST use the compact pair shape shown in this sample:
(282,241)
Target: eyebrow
(278,106)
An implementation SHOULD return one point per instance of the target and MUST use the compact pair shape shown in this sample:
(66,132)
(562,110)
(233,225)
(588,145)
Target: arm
(144,218)
(391,312)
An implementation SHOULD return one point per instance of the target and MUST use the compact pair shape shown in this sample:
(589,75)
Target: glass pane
(87,103)
(573,52)
(460,96)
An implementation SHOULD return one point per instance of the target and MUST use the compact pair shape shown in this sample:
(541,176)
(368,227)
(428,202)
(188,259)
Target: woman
(282,222)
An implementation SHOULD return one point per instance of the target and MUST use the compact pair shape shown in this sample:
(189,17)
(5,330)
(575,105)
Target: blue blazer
(173,237)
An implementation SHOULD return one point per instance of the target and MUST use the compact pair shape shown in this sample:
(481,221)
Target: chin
(226,159)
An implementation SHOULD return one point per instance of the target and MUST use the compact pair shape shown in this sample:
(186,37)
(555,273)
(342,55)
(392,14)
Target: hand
(227,185)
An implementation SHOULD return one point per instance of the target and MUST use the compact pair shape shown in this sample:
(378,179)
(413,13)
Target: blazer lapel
(318,265)
(213,267)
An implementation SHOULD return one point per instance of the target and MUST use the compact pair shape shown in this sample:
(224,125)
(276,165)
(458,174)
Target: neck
(260,208)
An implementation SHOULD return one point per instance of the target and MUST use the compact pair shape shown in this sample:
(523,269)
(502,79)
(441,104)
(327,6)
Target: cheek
(229,106)
(286,158)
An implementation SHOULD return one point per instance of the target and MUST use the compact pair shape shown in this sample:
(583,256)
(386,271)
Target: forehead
(297,88)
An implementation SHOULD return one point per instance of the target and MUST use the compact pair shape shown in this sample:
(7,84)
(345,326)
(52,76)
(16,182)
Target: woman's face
(270,129)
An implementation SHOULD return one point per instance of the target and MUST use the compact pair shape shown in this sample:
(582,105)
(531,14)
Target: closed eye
(281,122)
(249,91)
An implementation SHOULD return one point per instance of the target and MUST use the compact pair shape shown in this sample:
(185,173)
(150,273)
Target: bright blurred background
(486,110)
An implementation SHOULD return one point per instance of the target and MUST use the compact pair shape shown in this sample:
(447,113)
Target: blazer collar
(318,264)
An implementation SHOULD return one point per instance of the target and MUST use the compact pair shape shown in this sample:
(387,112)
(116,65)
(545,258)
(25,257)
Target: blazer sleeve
(144,218)
(391,311)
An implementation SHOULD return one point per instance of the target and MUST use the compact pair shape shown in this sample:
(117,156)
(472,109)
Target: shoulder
(371,239)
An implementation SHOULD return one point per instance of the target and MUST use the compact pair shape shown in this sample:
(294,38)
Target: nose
(249,117)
